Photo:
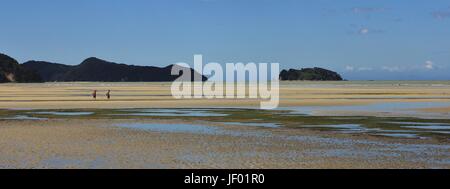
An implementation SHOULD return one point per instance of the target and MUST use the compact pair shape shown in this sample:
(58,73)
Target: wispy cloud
(441,14)
(393,68)
(349,68)
(359,69)
(366,30)
(429,65)
(365,10)
(365,69)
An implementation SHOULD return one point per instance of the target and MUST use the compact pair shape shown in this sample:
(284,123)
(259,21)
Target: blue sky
(362,40)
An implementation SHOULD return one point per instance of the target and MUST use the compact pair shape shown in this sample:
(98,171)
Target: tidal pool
(271,125)
(418,123)
(407,108)
(64,113)
(252,118)
(430,127)
(173,112)
(191,128)
(399,135)
(23,117)
(350,128)
(172,127)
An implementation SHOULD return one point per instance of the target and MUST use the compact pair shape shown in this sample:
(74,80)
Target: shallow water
(418,123)
(256,118)
(64,113)
(172,127)
(271,125)
(408,132)
(399,135)
(191,128)
(391,107)
(431,127)
(173,112)
(23,117)
(345,128)
(340,126)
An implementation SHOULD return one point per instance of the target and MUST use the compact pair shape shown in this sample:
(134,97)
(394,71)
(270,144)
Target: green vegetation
(94,69)
(315,74)
(12,71)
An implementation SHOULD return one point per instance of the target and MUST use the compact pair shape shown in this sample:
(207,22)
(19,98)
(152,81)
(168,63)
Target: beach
(98,144)
(158,95)
(391,124)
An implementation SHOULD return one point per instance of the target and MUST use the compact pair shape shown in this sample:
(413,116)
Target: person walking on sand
(108,94)
(94,94)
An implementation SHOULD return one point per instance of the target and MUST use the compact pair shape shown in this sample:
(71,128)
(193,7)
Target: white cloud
(429,65)
(392,68)
(367,31)
(349,68)
(364,31)
(353,68)
(365,69)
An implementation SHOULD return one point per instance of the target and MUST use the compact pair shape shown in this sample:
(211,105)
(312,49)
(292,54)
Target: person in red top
(94,94)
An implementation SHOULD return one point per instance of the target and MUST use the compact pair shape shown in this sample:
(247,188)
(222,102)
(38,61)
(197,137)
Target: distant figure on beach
(94,94)
(108,94)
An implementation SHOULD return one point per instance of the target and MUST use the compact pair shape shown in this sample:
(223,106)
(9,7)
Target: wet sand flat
(102,144)
(318,125)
